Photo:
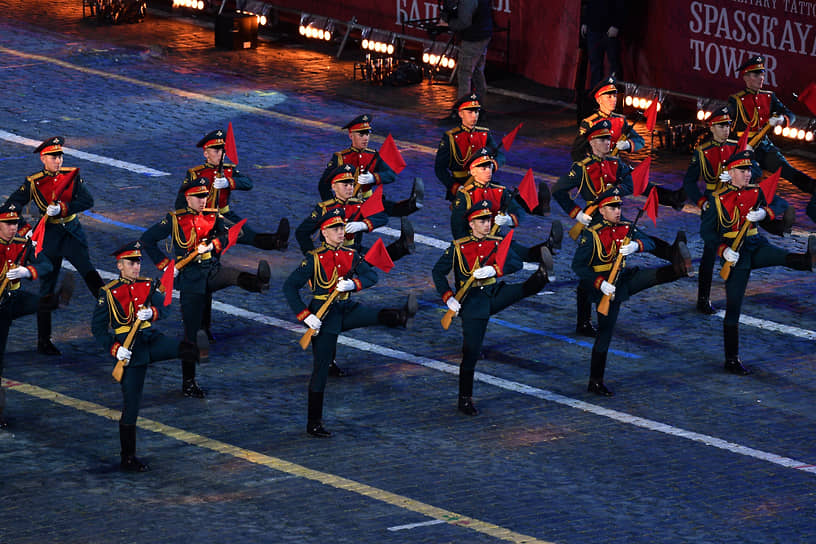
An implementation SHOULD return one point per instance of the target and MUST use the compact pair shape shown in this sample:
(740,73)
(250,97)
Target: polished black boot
(188,383)
(127,439)
(803,261)
(732,360)
(596,372)
(401,317)
(44,344)
(404,245)
(466,405)
(412,203)
(674,198)
(780,226)
(314,423)
(278,240)
(544,197)
(335,371)
(206,321)
(540,277)
(680,256)
(94,282)
(255,283)
(584,326)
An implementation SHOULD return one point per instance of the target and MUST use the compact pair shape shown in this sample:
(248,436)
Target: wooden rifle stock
(306,339)
(181,263)
(460,294)
(119,369)
(20,259)
(576,229)
(358,185)
(725,271)
(759,135)
(603,305)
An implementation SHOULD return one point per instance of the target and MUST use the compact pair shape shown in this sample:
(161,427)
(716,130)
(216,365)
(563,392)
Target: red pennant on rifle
(507,141)
(808,98)
(504,247)
(38,235)
(640,177)
(769,184)
(234,233)
(373,204)
(229,145)
(742,143)
(63,182)
(378,256)
(167,282)
(651,206)
(651,115)
(527,190)
(391,155)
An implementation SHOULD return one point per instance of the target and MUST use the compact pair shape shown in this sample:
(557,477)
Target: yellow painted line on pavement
(291,119)
(337,482)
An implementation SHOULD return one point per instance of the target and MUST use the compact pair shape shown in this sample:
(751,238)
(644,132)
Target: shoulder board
(731,141)
(493,237)
(589,120)
(343,152)
(228,164)
(721,190)
(481,129)
(210,210)
(355,200)
(595,226)
(35,177)
(493,185)
(197,168)
(67,169)
(110,284)
(739,94)
(584,161)
(326,203)
(180,211)
(453,131)
(369,150)
(462,240)
(616,114)
(765,91)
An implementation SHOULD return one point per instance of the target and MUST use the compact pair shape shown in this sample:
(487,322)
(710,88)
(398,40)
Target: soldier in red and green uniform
(121,302)
(64,237)
(731,206)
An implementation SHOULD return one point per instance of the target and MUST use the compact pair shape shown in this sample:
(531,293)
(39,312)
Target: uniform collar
(50,173)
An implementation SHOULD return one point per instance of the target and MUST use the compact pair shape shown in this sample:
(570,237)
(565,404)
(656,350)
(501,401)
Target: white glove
(53,210)
(175,271)
(623,145)
(313,321)
(607,288)
(612,32)
(776,120)
(583,218)
(204,248)
(145,314)
(755,216)
(453,305)
(584,29)
(749,147)
(18,273)
(344,285)
(629,248)
(725,177)
(484,272)
(220,183)
(504,220)
(731,256)
(356,226)
(365,178)
(29,234)
(123,354)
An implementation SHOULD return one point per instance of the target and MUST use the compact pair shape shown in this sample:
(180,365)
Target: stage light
(316,27)
(808,136)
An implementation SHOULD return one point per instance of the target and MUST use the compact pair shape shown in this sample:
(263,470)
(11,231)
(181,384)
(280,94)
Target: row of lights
(794,133)
(437,60)
(189,4)
(378,47)
(261,18)
(640,103)
(309,31)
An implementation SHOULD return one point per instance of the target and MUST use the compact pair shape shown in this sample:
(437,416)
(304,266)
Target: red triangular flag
(640,177)
(229,145)
(234,233)
(38,235)
(64,181)
(651,115)
(373,204)
(527,190)
(504,247)
(769,184)
(808,98)
(743,141)
(378,256)
(651,205)
(167,282)
(507,141)
(391,155)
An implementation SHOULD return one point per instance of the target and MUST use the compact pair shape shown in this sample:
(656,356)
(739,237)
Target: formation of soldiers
(484,214)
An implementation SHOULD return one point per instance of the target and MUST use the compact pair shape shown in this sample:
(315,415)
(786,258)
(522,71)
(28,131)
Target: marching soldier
(752,109)
(121,303)
(17,262)
(370,170)
(598,247)
(594,177)
(198,230)
(332,267)
(505,208)
(736,203)
(707,164)
(342,184)
(475,256)
(64,236)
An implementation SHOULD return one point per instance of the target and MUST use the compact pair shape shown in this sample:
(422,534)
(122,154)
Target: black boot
(335,371)
(412,203)
(674,198)
(314,424)
(44,345)
(584,308)
(465,404)
(94,282)
(732,360)
(803,261)
(781,226)
(278,240)
(188,383)
(127,439)
(404,245)
(540,277)
(399,317)
(596,373)
(206,320)
(544,197)
(255,283)
(467,407)
(704,275)
(680,256)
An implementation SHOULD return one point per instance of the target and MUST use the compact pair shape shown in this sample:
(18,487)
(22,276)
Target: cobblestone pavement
(682,453)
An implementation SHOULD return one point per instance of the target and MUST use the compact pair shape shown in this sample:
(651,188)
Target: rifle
(603,305)
(463,291)
(357,185)
(119,369)
(495,228)
(725,271)
(187,259)
(576,229)
(20,259)
(759,135)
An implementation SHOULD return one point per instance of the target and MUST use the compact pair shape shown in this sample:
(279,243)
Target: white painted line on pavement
(414,525)
(771,326)
(138,168)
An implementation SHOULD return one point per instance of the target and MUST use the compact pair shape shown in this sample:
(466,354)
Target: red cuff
(499,271)
(33,271)
(161,265)
(217,245)
(515,220)
(771,214)
(640,245)
(574,213)
(369,224)
(721,250)
(115,348)
(63,209)
(304,314)
(357,284)
(598,281)
(231,183)
(447,295)
(701,202)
